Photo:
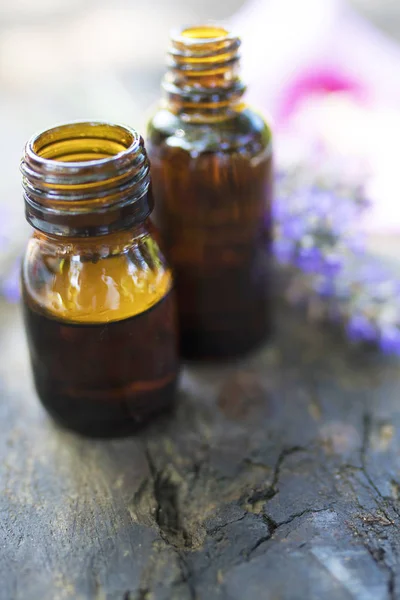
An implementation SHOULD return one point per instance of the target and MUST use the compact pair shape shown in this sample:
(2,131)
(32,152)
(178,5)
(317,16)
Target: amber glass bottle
(97,292)
(211,164)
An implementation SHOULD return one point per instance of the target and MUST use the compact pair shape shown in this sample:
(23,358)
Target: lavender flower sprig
(318,238)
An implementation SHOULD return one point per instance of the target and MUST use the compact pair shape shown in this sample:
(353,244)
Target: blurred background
(326,71)
(73,59)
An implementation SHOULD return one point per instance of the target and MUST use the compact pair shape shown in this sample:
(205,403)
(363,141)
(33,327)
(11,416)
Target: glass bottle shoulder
(94,281)
(244,131)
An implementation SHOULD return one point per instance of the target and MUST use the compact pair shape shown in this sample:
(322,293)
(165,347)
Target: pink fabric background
(330,82)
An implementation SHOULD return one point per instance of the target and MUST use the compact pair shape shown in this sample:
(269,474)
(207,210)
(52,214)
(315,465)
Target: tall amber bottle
(211,158)
(97,292)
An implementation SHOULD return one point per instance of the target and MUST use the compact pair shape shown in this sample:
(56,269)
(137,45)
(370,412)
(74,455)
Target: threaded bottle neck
(86,179)
(203,66)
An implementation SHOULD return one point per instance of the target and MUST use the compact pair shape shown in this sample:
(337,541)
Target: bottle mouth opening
(92,143)
(204,45)
(203,40)
(203,32)
(83,153)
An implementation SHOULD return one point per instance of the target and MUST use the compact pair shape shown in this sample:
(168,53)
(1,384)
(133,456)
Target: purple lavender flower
(316,225)
(283,251)
(389,341)
(360,329)
(333,264)
(293,228)
(309,260)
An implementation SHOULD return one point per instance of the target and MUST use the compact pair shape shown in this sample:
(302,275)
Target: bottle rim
(202,33)
(39,142)
(95,169)
(203,70)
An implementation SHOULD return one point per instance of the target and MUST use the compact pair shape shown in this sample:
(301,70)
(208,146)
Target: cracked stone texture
(277,478)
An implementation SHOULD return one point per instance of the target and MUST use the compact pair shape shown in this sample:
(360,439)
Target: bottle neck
(202,80)
(86,180)
(95,248)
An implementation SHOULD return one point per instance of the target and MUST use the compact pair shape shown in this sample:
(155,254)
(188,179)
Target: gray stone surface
(276,478)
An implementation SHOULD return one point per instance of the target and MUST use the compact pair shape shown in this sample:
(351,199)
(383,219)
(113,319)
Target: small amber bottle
(211,161)
(97,293)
